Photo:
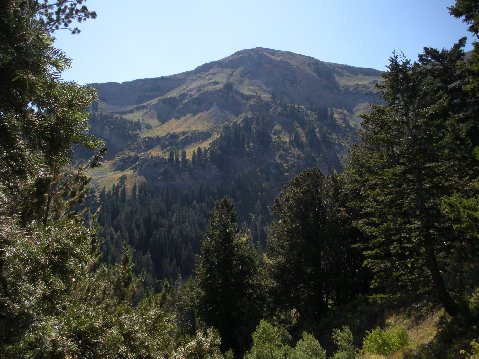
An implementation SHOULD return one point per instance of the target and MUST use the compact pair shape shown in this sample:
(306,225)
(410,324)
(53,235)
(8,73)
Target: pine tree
(194,159)
(184,161)
(225,276)
(414,151)
(463,206)
(310,262)
(295,246)
(468,10)
(199,154)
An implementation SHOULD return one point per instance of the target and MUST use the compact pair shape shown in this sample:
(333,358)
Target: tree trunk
(431,262)
(443,295)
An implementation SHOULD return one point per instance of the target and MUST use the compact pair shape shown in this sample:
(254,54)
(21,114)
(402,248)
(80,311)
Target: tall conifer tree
(225,275)
(310,262)
(414,151)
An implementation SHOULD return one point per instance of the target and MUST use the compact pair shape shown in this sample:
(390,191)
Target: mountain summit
(257,107)
(301,79)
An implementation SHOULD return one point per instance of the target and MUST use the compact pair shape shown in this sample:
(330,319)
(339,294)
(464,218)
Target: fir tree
(414,151)
(310,263)
(225,276)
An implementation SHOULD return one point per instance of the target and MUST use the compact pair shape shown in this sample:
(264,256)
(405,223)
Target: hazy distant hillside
(306,107)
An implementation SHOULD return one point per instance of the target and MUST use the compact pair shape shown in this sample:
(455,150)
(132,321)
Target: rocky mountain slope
(257,108)
(241,126)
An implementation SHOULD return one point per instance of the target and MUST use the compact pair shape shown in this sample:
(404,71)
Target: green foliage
(56,299)
(343,338)
(41,116)
(297,263)
(272,342)
(163,226)
(53,302)
(385,341)
(269,342)
(473,301)
(45,246)
(463,206)
(310,263)
(182,304)
(411,177)
(464,210)
(203,346)
(226,272)
(454,337)
(240,139)
(308,347)
(469,10)
(60,14)
(404,169)
(474,350)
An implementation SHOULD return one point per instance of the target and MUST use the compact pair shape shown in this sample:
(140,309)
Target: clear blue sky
(152,38)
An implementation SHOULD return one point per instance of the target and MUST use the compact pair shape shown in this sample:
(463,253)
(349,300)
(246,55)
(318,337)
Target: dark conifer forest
(374,254)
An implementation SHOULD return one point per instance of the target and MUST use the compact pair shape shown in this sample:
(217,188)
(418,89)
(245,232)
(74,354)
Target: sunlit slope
(293,95)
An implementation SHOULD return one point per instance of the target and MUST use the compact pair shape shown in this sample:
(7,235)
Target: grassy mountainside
(308,108)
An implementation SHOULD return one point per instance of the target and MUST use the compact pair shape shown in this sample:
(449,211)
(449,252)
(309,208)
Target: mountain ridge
(239,52)
(165,83)
(291,93)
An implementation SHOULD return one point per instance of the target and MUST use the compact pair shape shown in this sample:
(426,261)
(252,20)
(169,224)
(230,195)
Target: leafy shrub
(271,342)
(385,341)
(308,347)
(475,350)
(343,338)
(203,346)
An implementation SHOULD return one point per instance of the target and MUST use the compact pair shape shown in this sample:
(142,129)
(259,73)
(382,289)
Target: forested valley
(318,268)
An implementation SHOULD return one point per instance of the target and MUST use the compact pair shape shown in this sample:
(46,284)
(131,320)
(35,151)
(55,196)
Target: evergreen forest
(349,264)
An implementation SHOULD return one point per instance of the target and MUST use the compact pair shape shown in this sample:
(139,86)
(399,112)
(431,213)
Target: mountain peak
(263,50)
(300,79)
(295,99)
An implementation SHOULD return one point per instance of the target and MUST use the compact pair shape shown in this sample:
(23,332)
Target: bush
(272,342)
(475,350)
(269,342)
(343,338)
(385,341)
(203,346)
(308,347)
